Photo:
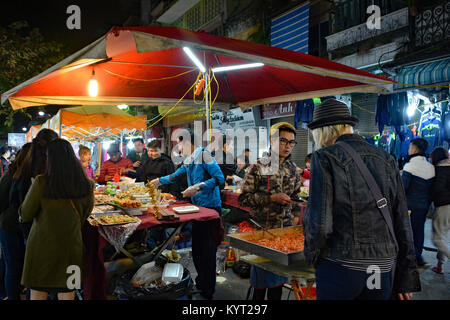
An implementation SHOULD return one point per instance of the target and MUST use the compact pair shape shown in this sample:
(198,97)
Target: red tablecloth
(205,214)
(94,285)
(231,199)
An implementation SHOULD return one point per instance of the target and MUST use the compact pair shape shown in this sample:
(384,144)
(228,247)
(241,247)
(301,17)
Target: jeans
(204,256)
(441,226)
(335,282)
(13,252)
(2,275)
(418,218)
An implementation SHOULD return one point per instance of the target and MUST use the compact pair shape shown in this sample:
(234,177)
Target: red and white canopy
(147,66)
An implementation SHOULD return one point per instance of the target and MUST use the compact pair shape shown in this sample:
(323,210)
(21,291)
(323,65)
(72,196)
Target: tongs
(264,229)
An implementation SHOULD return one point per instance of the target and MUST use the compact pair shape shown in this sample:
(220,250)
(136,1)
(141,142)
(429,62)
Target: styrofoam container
(173,272)
(186,209)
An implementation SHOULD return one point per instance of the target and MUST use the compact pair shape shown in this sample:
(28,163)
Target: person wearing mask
(269,197)
(85,159)
(139,155)
(440,195)
(204,178)
(11,237)
(58,203)
(115,165)
(418,175)
(347,229)
(4,163)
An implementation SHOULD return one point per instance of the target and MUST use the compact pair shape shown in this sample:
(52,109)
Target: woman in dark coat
(58,203)
(11,237)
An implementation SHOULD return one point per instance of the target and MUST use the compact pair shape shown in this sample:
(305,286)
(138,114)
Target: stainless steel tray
(240,241)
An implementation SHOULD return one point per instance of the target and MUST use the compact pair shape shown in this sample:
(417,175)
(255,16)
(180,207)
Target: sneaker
(437,270)
(423,264)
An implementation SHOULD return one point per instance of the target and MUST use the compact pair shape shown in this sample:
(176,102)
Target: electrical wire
(147,80)
(168,111)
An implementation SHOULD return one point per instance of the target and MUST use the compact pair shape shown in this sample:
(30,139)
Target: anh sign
(278,110)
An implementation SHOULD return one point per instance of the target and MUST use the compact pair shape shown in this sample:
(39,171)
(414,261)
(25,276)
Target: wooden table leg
(299,295)
(297,291)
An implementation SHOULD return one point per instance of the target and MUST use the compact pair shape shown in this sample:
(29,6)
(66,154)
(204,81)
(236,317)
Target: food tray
(97,219)
(92,219)
(186,209)
(241,241)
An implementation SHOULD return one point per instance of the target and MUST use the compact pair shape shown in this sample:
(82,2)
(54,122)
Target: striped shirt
(385,264)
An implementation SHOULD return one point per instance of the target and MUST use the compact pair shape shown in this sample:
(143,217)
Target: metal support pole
(207,109)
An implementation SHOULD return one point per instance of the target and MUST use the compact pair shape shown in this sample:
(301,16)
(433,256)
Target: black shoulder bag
(381,201)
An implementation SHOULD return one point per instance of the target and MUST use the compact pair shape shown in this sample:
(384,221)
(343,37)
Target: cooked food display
(102,209)
(290,242)
(128,204)
(101,199)
(117,219)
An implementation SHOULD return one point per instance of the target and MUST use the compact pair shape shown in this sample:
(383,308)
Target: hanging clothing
(395,145)
(431,131)
(304,110)
(406,137)
(382,116)
(397,104)
(446,125)
(391,110)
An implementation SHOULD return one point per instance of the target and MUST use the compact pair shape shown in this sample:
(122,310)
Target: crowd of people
(362,211)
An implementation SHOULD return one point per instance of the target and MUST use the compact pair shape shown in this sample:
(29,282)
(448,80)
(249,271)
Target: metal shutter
(366,125)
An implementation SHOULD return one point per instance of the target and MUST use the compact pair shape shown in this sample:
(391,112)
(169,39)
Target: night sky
(97,17)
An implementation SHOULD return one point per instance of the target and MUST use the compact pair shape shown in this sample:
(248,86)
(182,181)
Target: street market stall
(107,225)
(172,67)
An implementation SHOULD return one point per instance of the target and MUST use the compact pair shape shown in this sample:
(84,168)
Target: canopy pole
(208,136)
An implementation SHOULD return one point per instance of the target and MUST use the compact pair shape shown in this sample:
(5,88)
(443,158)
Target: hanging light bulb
(93,85)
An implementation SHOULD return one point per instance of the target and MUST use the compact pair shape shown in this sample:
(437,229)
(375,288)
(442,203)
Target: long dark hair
(39,160)
(438,154)
(65,177)
(22,158)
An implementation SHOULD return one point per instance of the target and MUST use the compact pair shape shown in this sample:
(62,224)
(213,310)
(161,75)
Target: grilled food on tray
(117,219)
(128,204)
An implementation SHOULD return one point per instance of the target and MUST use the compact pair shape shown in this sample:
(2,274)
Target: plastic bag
(118,235)
(221,256)
(123,289)
(146,274)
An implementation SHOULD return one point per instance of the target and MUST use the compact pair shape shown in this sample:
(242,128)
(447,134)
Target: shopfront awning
(430,73)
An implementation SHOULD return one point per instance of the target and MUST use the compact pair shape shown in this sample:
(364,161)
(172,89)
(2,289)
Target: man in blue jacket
(204,178)
(418,175)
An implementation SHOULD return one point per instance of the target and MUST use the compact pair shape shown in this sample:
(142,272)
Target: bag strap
(381,201)
(75,209)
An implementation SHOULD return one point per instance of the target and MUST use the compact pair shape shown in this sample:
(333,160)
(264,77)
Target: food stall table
(230,198)
(91,291)
(298,272)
